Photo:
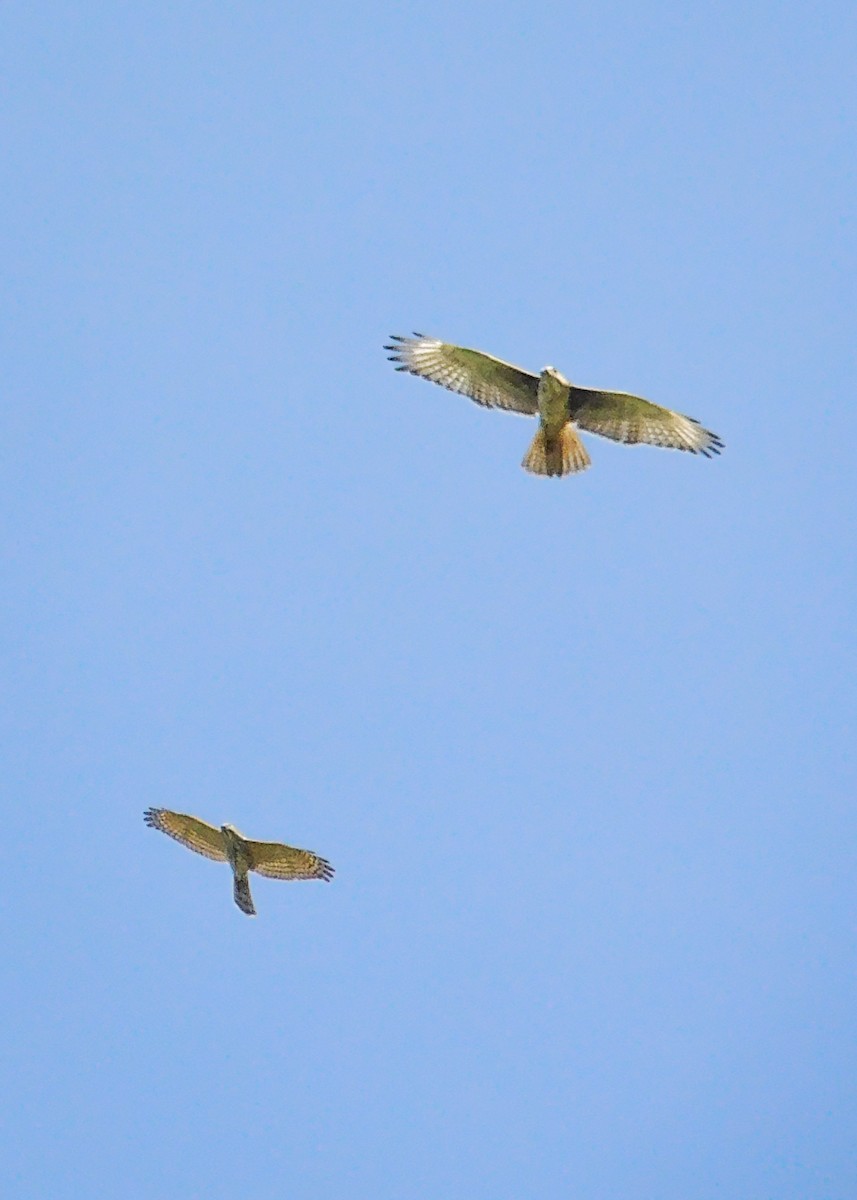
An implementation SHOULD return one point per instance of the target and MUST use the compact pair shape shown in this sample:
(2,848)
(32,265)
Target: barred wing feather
(487,380)
(190,831)
(627,418)
(278,861)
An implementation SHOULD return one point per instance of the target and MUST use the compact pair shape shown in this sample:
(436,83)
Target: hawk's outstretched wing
(190,831)
(483,378)
(278,861)
(626,418)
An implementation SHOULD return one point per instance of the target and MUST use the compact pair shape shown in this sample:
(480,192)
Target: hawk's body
(559,405)
(226,844)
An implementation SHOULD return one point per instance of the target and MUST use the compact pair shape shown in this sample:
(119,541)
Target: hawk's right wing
(190,831)
(278,861)
(485,379)
(631,419)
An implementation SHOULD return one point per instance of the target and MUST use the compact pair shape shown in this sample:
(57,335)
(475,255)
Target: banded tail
(242,895)
(556,454)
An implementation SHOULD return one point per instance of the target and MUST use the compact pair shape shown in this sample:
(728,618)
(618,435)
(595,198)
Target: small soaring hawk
(559,405)
(226,844)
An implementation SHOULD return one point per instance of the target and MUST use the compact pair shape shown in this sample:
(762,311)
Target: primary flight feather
(560,406)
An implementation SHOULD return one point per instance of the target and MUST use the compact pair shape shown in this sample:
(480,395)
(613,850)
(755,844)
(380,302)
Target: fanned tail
(558,454)
(242,895)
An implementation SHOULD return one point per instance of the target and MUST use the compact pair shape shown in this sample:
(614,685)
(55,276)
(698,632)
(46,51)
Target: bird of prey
(560,406)
(226,844)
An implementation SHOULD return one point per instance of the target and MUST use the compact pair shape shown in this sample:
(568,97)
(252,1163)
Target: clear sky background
(581,751)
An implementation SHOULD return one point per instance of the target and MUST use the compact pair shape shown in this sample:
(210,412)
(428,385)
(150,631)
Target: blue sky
(581,751)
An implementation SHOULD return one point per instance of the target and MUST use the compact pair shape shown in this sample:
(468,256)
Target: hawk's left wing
(485,379)
(190,831)
(286,862)
(626,418)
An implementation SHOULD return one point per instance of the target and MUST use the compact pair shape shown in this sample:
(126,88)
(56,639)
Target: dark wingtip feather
(714,444)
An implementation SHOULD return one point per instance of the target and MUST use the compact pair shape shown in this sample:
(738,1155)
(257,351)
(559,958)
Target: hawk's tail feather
(242,895)
(558,454)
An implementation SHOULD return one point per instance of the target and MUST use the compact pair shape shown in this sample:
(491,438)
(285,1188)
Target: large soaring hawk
(226,844)
(560,405)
